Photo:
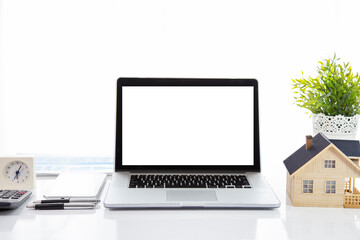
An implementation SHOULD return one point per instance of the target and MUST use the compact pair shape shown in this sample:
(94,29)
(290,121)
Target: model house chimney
(309,139)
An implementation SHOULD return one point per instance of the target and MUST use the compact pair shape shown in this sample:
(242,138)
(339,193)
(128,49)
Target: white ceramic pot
(336,127)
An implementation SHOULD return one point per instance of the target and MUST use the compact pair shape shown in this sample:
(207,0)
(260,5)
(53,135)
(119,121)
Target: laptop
(188,143)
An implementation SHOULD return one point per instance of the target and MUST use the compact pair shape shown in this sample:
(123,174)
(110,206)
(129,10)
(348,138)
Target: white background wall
(59,61)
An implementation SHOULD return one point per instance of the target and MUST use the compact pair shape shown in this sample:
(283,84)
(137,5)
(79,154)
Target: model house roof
(350,148)
(302,156)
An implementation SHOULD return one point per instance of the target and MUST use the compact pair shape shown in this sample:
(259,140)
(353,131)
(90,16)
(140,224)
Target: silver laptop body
(170,128)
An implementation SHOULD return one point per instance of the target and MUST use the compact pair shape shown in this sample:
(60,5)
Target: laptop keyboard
(189,181)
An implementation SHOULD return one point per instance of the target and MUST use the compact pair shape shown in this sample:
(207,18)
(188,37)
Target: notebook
(188,143)
(77,185)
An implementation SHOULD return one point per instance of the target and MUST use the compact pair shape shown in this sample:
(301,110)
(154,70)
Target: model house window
(330,186)
(329,164)
(308,186)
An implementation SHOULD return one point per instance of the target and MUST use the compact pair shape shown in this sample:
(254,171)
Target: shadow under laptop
(193,223)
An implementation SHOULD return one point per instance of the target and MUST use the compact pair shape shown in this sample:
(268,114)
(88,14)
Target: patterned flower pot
(336,127)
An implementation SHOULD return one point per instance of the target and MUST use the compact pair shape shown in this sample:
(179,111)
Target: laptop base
(120,196)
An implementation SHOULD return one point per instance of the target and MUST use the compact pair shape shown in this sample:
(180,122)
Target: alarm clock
(17,173)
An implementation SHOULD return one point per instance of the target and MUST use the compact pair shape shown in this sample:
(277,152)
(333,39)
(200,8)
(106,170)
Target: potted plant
(333,97)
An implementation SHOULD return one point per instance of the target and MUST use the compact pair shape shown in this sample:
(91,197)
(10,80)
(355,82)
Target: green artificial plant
(335,91)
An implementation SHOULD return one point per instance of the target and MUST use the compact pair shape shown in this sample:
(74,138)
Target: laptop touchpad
(188,195)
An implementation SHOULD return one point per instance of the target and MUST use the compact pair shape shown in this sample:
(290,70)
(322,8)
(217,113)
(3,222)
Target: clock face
(17,172)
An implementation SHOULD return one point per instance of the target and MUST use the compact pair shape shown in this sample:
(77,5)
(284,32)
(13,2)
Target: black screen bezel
(185,82)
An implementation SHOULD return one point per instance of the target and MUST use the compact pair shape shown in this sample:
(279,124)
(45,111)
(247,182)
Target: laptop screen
(187,126)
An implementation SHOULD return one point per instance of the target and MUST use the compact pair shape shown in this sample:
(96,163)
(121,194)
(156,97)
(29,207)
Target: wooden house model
(322,173)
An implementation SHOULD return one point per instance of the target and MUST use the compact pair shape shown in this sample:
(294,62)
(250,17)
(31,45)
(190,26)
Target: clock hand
(17,173)
(16,176)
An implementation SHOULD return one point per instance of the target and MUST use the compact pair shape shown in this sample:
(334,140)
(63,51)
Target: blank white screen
(187,125)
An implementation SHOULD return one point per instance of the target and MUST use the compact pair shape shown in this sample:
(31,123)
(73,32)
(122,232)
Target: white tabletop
(286,222)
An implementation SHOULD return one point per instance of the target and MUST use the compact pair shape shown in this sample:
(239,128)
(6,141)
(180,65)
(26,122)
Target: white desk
(287,222)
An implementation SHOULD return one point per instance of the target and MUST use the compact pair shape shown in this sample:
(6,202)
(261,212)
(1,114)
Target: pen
(54,206)
(68,200)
